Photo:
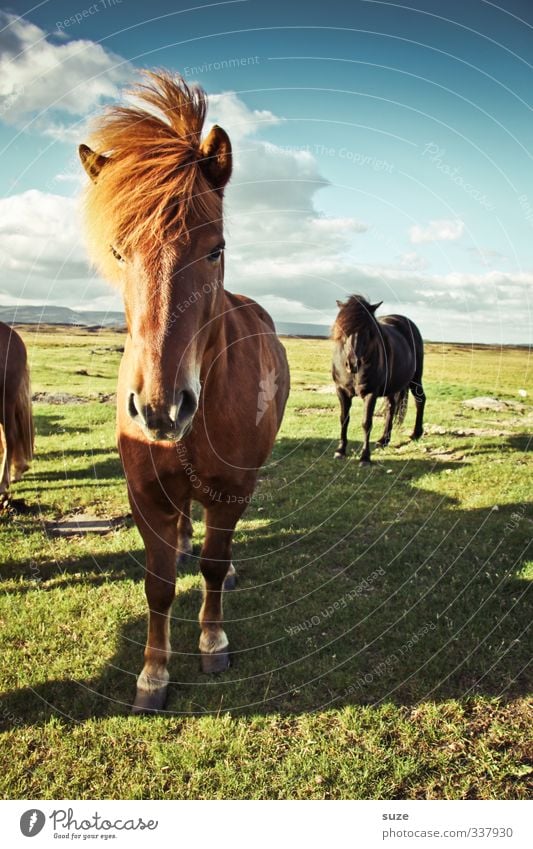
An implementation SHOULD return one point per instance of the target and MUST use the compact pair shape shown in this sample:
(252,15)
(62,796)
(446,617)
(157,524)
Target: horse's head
(353,329)
(352,361)
(154,211)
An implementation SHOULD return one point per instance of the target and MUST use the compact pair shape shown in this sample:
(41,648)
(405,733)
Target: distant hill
(60,315)
(92,318)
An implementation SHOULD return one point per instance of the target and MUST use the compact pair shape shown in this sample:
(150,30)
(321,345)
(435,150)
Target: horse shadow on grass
(50,424)
(356,587)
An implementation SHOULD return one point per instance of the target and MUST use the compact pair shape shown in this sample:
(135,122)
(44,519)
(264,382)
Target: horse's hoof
(147,702)
(213,663)
(339,455)
(365,463)
(415,436)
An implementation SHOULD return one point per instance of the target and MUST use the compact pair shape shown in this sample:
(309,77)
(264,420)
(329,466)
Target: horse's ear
(374,307)
(216,161)
(91,161)
(340,304)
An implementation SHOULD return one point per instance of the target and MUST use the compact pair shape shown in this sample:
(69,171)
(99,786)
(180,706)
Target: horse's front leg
(216,567)
(346,403)
(389,416)
(370,404)
(185,546)
(159,530)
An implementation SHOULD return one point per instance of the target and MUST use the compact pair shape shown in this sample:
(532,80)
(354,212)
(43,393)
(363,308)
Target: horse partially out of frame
(374,358)
(16,421)
(204,379)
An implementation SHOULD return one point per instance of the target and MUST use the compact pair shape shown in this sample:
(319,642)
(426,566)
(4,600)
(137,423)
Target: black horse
(376,358)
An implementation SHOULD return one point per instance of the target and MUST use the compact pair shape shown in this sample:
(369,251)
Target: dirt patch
(81,524)
(67,398)
(494,405)
(465,431)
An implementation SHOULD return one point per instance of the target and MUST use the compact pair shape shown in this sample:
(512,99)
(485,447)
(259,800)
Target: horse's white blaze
(212,641)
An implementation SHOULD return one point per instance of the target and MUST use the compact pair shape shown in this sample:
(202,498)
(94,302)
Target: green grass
(379,628)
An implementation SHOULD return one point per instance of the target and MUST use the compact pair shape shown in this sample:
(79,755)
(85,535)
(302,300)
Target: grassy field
(379,629)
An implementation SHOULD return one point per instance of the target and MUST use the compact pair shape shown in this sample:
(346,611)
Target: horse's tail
(401,399)
(24,427)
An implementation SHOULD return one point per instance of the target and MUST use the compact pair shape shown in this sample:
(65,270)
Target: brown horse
(16,422)
(204,379)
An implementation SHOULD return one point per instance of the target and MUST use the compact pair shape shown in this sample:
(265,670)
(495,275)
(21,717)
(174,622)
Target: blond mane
(152,189)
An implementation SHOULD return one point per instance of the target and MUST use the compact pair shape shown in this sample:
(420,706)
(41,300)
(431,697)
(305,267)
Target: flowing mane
(354,315)
(151,190)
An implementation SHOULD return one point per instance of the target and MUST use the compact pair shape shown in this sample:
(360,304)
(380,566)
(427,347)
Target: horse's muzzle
(167,423)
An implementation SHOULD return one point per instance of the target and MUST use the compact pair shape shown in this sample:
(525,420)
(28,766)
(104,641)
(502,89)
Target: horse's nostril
(132,409)
(184,409)
(188,405)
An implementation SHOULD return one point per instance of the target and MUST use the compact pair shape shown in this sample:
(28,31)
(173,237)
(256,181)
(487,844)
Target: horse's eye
(215,254)
(116,254)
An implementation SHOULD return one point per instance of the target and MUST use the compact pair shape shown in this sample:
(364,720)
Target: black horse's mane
(355,315)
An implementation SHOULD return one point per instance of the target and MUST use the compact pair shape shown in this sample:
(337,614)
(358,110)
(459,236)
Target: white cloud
(42,258)
(230,112)
(413,261)
(53,85)
(443,230)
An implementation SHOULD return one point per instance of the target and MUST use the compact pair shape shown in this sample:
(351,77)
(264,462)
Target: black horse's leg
(417,391)
(346,403)
(370,404)
(389,417)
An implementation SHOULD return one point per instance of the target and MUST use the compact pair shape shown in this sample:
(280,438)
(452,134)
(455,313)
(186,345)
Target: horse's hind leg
(216,566)
(417,391)
(159,532)
(389,417)
(346,403)
(185,546)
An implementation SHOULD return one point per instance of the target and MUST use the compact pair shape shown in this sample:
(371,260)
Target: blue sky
(379,147)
